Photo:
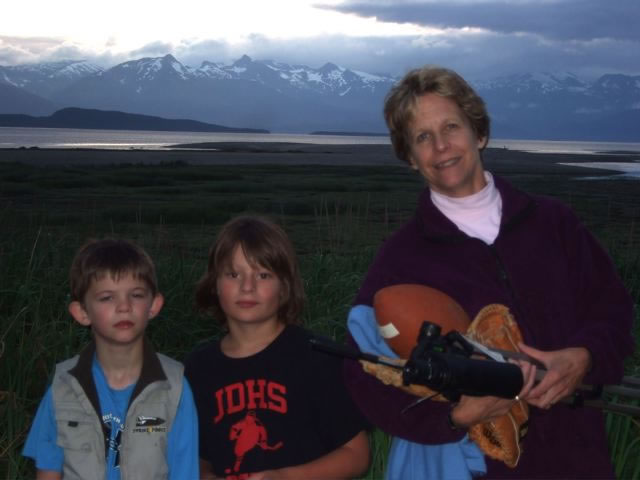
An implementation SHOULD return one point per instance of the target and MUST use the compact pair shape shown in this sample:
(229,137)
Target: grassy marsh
(336,216)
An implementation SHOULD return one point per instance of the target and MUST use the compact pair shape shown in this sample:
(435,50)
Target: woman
(481,241)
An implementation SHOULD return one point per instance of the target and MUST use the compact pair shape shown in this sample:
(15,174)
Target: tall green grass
(336,217)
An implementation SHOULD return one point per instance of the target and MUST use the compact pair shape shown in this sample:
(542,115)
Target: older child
(269,406)
(118,409)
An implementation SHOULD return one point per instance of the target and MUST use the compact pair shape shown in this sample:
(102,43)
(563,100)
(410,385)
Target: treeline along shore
(337,202)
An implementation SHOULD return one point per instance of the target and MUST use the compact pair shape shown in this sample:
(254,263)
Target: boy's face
(248,293)
(118,311)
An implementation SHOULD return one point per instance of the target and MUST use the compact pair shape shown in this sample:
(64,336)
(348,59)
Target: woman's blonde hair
(401,101)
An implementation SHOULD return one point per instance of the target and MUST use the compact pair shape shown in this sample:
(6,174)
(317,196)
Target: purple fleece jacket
(563,291)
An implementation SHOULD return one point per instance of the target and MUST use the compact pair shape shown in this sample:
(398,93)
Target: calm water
(548,146)
(126,139)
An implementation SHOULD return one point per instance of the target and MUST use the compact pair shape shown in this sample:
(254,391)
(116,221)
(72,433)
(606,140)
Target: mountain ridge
(275,96)
(82,118)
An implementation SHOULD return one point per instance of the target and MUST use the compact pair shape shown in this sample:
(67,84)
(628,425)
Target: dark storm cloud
(478,55)
(586,37)
(553,19)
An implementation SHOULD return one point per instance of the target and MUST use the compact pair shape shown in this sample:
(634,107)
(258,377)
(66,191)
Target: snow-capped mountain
(329,78)
(619,91)
(540,82)
(563,106)
(44,79)
(254,94)
(297,98)
(148,69)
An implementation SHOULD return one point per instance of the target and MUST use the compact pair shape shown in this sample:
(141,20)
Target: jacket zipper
(517,310)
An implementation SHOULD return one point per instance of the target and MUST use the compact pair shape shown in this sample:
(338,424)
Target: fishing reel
(447,364)
(444,363)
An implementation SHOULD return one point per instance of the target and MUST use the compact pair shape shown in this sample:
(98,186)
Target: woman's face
(444,147)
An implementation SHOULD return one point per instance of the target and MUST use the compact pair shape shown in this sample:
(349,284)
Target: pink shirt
(477,215)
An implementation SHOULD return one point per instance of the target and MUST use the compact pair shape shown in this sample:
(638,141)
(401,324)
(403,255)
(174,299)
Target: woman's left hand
(565,370)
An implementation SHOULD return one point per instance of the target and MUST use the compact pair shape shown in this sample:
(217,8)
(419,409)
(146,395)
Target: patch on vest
(146,424)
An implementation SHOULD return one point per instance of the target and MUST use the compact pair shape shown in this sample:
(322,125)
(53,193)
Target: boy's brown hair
(115,257)
(263,243)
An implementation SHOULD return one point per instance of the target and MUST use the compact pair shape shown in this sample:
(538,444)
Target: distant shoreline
(499,160)
(94,119)
(350,134)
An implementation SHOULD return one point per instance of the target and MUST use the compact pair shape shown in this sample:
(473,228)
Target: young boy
(118,410)
(270,407)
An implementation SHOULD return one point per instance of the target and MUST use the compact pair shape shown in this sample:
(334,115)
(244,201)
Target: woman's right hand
(473,410)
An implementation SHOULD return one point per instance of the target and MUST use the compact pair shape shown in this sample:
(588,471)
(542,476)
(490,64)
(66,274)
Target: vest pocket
(76,429)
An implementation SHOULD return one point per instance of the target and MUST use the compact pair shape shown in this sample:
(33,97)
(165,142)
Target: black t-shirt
(283,406)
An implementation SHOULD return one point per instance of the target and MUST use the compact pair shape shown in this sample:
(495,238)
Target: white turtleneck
(477,215)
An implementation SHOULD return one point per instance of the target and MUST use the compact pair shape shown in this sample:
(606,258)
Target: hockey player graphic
(249,433)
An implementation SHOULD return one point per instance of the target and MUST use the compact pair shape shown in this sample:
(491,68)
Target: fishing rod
(443,363)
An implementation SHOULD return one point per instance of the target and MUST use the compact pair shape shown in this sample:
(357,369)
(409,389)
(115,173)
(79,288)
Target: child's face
(248,293)
(117,310)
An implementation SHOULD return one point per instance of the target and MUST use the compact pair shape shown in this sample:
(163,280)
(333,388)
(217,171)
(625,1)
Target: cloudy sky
(479,38)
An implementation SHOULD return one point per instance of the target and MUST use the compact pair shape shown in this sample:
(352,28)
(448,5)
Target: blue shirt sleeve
(182,450)
(41,442)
